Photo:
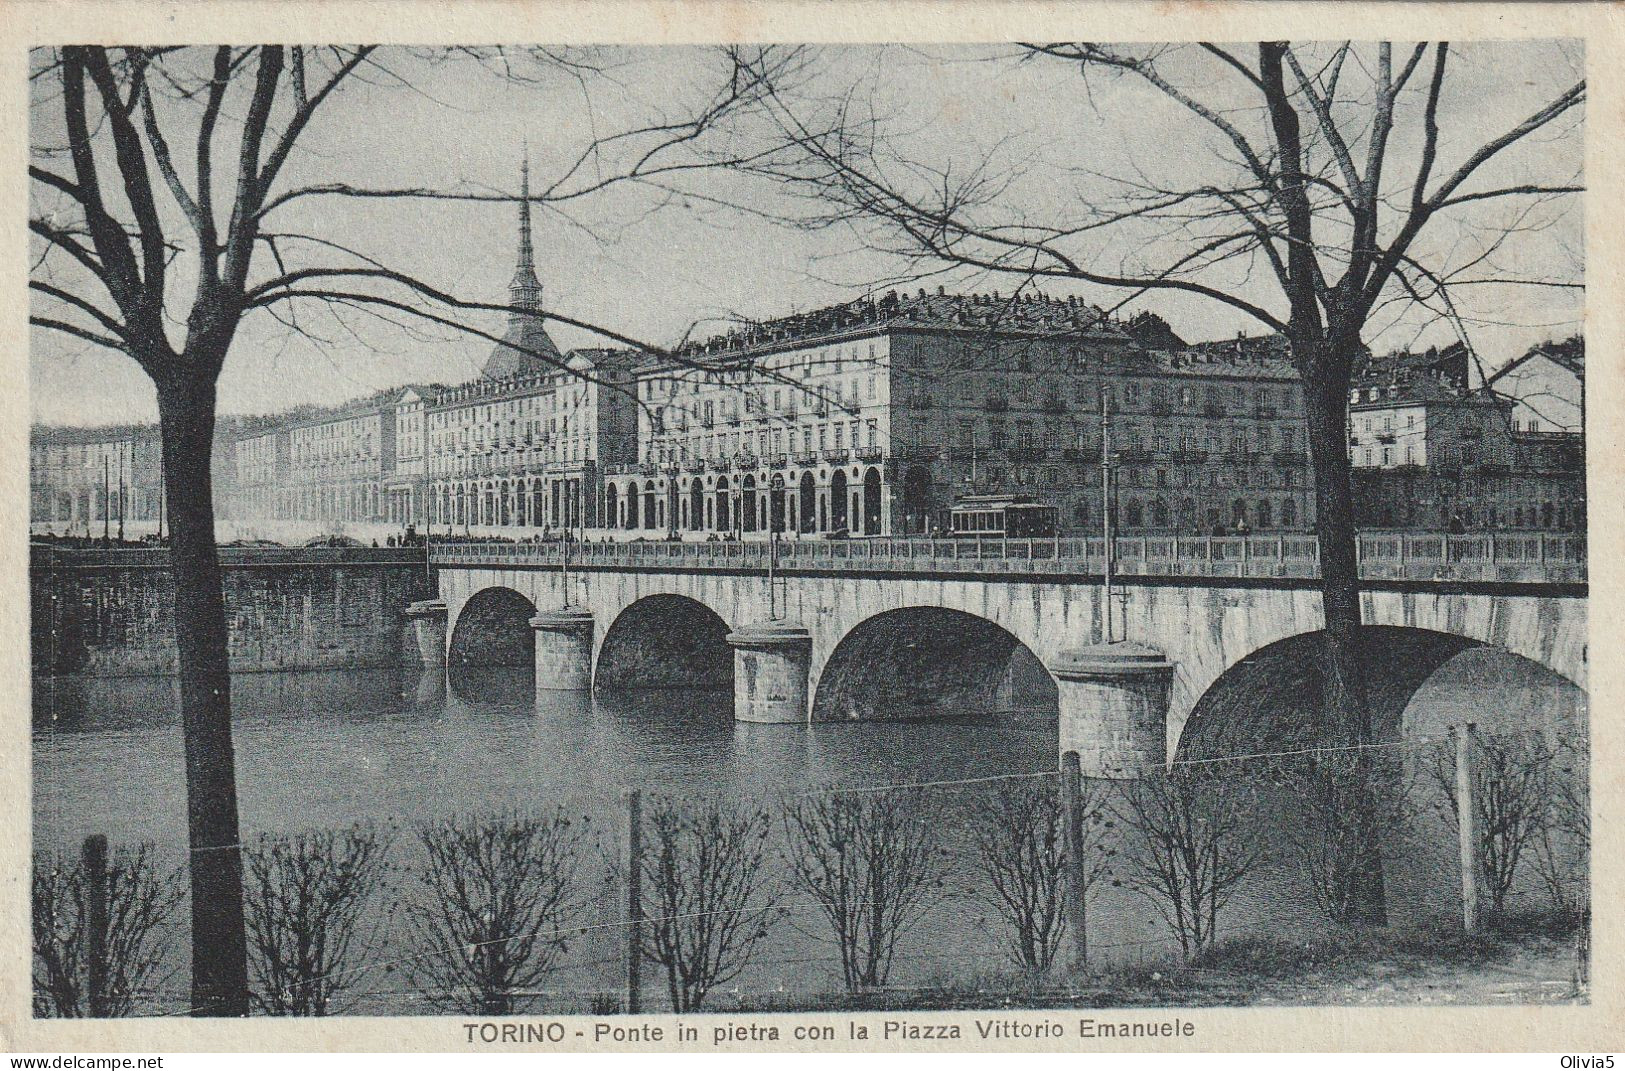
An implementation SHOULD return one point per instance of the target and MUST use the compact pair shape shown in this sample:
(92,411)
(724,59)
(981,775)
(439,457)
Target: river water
(334,748)
(395,747)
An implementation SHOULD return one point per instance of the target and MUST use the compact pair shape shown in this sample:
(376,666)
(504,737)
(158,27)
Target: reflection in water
(325,749)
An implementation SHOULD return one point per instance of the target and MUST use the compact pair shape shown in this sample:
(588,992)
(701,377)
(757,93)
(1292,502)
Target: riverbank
(1529,962)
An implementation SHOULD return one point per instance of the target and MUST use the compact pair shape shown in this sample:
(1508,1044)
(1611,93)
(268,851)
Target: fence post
(94,858)
(1072,843)
(1582,947)
(634,899)
(1467,823)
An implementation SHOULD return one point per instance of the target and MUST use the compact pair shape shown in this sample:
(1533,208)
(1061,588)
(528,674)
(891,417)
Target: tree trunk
(186,409)
(1344,705)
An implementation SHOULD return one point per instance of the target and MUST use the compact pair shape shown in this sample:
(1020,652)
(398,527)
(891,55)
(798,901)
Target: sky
(654,265)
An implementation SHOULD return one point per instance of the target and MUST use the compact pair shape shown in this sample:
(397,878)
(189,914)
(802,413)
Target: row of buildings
(873,418)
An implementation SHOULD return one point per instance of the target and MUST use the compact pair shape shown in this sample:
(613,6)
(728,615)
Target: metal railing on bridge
(47,556)
(1507,557)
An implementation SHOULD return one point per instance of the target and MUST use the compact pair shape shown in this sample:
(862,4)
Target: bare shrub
(495,896)
(312,913)
(1018,827)
(140,899)
(1190,847)
(871,863)
(713,902)
(1513,787)
(1562,845)
(1344,803)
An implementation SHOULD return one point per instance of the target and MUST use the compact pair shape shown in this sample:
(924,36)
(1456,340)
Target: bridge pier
(771,665)
(428,619)
(1113,701)
(563,649)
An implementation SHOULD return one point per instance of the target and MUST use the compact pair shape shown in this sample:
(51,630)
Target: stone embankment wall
(111,613)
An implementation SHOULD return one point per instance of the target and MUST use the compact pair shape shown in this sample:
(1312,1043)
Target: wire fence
(1019,890)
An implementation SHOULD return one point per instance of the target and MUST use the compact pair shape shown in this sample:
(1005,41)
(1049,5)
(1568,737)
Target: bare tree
(712,899)
(1322,169)
(1562,847)
(140,900)
(1017,827)
(158,207)
(1189,847)
(1322,789)
(313,912)
(872,865)
(495,897)
(1513,792)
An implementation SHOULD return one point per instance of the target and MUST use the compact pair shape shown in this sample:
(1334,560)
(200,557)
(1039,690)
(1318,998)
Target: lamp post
(107,533)
(772,575)
(1106,461)
(671,500)
(121,493)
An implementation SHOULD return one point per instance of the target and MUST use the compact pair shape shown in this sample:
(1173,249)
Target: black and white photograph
(1070,534)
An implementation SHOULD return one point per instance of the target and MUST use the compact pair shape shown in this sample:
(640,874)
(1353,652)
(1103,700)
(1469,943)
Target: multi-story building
(338,459)
(873,417)
(82,479)
(78,477)
(1546,386)
(525,450)
(522,445)
(1417,410)
(1428,450)
(406,483)
(263,467)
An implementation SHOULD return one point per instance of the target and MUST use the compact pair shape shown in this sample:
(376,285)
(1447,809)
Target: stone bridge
(909,629)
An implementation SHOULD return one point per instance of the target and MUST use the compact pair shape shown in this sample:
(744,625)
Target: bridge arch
(665,641)
(918,662)
(493,629)
(1420,681)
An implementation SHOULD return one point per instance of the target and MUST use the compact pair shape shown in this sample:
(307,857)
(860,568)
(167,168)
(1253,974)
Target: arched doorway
(747,503)
(650,509)
(696,504)
(776,503)
(837,500)
(872,508)
(634,503)
(723,520)
(917,498)
(612,505)
(808,503)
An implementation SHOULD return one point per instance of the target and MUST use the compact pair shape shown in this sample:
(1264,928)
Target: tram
(1012,516)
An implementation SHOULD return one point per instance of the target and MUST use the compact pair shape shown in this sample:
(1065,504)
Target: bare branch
(77,332)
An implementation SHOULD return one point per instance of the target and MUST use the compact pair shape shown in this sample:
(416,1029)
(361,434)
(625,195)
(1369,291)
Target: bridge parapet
(1504,557)
(45,556)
